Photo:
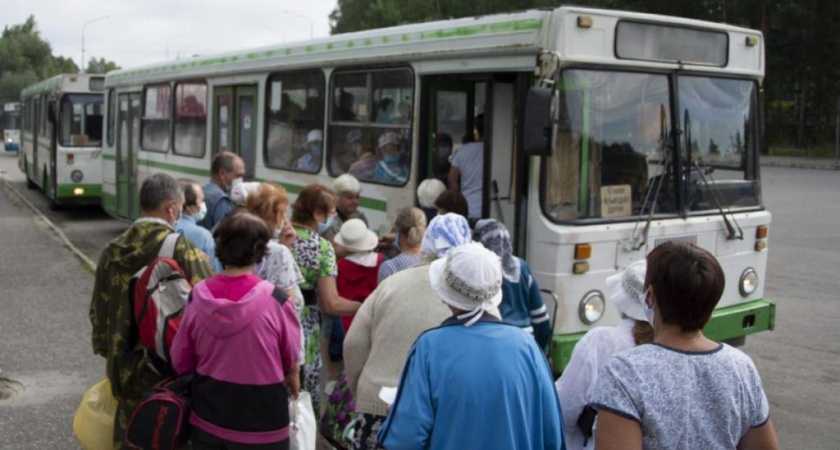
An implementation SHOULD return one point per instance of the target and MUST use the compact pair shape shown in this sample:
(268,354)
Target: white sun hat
(314,136)
(354,236)
(469,278)
(627,290)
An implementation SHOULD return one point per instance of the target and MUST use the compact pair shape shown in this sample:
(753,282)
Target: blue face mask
(316,150)
(324,226)
(392,159)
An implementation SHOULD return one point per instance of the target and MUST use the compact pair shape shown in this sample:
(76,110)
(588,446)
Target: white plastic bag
(303,432)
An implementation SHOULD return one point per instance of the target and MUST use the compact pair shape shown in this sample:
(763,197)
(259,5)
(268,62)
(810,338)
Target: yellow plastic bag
(94,420)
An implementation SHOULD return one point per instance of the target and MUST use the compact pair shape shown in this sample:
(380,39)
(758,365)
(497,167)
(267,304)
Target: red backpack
(160,291)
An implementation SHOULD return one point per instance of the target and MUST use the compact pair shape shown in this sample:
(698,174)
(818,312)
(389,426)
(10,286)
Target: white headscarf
(496,238)
(469,278)
(445,233)
(627,290)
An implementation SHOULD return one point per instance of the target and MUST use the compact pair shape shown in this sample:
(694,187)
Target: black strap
(586,421)
(280,295)
(310,298)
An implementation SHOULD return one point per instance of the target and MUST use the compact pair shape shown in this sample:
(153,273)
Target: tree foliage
(802,54)
(26,58)
(101,66)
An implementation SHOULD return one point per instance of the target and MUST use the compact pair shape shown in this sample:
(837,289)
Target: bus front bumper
(12,147)
(727,323)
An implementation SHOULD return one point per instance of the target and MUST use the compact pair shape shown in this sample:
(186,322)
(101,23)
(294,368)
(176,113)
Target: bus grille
(690,239)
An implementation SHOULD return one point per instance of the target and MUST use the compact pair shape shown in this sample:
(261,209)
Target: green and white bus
(606,134)
(61,144)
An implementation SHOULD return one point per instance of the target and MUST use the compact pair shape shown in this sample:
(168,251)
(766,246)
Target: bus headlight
(749,282)
(76,176)
(592,307)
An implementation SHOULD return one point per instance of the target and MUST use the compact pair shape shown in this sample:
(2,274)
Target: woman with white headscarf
(522,305)
(575,386)
(401,308)
(474,381)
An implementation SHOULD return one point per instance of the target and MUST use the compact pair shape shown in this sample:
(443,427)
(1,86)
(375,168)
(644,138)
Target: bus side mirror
(51,114)
(538,122)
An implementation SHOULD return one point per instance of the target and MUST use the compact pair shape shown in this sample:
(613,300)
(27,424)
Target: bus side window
(295,121)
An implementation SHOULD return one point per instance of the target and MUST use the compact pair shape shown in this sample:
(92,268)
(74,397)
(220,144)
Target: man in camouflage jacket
(161,201)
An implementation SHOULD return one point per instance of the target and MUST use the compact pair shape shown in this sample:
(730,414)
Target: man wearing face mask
(194,211)
(226,170)
(161,202)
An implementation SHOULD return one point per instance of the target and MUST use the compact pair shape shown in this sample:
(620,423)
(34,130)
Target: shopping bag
(94,420)
(302,428)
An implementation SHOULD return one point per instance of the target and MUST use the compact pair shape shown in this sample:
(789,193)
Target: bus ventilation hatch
(690,239)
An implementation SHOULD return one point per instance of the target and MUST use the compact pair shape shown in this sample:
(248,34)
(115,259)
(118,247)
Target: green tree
(26,58)
(101,66)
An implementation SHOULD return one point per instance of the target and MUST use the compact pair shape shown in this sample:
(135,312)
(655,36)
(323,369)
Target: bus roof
(75,82)
(519,33)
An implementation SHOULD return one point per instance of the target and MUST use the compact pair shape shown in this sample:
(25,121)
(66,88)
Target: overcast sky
(137,31)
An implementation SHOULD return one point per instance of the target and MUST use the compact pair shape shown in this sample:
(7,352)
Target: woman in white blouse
(626,291)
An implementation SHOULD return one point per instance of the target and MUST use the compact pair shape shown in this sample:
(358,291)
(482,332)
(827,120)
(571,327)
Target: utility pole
(311,23)
(82,65)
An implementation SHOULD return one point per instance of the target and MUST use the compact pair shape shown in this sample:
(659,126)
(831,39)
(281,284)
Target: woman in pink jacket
(241,337)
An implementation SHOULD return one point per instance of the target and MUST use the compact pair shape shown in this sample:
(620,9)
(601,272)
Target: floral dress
(315,257)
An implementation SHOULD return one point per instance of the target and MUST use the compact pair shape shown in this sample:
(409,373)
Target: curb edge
(86,262)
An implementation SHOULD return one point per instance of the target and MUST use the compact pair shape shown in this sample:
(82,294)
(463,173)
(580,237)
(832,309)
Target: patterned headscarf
(496,238)
(445,233)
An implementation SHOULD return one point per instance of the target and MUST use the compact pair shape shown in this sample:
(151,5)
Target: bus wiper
(639,240)
(733,233)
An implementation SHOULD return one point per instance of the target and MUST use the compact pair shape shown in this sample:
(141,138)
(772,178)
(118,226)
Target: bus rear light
(761,232)
(580,268)
(751,41)
(70,158)
(760,246)
(583,251)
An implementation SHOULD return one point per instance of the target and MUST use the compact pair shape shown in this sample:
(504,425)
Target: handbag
(302,429)
(93,423)
(161,420)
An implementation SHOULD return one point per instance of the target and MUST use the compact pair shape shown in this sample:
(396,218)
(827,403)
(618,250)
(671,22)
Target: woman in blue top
(522,305)
(390,169)
(475,381)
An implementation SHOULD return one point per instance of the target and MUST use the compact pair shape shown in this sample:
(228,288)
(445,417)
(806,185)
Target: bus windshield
(611,147)
(11,120)
(614,157)
(80,120)
(718,121)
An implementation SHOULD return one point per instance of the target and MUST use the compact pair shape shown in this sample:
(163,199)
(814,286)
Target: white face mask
(202,211)
(234,182)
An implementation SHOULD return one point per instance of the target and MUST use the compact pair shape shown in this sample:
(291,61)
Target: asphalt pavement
(45,332)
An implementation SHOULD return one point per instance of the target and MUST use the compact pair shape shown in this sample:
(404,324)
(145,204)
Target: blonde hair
(411,222)
(269,203)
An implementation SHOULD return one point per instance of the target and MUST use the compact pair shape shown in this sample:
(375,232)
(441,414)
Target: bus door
(35,103)
(128,144)
(454,104)
(235,120)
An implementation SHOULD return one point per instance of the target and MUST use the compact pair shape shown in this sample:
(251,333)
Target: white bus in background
(62,138)
(11,126)
(607,133)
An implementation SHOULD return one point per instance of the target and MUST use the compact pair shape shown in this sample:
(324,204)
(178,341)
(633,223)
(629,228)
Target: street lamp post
(311,23)
(82,65)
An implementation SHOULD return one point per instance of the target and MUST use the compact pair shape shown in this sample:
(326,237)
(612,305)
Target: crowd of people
(440,309)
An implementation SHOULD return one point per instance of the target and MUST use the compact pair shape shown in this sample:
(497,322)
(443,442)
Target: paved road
(45,332)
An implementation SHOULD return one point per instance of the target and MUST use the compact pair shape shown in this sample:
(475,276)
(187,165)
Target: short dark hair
(223,161)
(241,240)
(157,189)
(190,192)
(687,283)
(312,199)
(479,124)
(454,202)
